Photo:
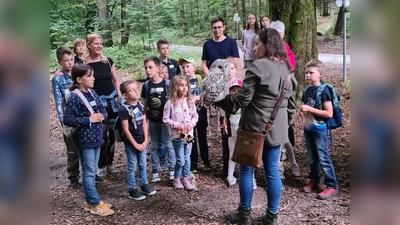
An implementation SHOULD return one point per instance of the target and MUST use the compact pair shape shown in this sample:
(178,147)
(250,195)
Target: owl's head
(220,65)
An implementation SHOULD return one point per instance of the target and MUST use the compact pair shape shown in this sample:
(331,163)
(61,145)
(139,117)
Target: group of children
(165,110)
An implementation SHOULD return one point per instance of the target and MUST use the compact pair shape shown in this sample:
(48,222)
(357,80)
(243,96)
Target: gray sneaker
(102,172)
(147,190)
(112,170)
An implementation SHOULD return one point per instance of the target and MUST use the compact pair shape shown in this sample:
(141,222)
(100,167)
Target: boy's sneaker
(254,184)
(101,209)
(98,179)
(193,167)
(171,175)
(295,170)
(311,186)
(73,183)
(147,190)
(231,180)
(187,184)
(102,172)
(328,193)
(89,207)
(112,170)
(207,166)
(136,195)
(155,178)
(177,183)
(163,165)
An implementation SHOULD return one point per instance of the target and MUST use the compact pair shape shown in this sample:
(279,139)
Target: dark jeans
(225,148)
(108,147)
(201,130)
(72,159)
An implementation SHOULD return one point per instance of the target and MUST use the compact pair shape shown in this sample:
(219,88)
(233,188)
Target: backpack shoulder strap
(130,111)
(200,80)
(83,98)
(318,95)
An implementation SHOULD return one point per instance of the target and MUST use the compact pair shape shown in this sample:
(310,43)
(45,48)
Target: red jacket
(290,55)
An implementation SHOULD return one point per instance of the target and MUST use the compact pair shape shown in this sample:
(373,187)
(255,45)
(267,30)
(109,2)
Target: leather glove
(225,104)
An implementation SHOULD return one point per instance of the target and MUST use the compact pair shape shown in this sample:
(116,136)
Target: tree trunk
(339,23)
(300,32)
(243,19)
(103,18)
(91,13)
(124,25)
(325,8)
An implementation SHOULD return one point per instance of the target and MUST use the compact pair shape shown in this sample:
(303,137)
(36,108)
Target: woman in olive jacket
(262,86)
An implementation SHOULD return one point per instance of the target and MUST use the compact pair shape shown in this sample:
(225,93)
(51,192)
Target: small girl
(264,22)
(248,37)
(180,115)
(135,137)
(89,136)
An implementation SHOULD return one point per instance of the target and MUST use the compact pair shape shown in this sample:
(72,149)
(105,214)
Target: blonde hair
(163,66)
(315,63)
(86,56)
(173,90)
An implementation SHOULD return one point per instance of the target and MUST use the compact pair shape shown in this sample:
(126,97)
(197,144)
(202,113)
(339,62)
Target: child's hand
(180,127)
(59,73)
(196,98)
(305,108)
(243,49)
(188,127)
(96,118)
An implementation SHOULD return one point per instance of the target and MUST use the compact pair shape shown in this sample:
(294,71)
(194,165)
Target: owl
(215,84)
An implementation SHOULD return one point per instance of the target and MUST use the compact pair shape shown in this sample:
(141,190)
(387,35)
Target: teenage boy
(171,64)
(155,95)
(196,84)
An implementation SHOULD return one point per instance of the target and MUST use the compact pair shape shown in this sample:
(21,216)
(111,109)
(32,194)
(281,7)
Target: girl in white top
(248,37)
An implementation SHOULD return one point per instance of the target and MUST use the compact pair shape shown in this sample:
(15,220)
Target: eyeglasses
(219,28)
(132,90)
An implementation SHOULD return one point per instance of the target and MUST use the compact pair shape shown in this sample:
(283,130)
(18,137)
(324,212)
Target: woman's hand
(226,104)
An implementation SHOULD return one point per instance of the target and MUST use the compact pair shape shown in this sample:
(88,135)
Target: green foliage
(331,28)
(347,84)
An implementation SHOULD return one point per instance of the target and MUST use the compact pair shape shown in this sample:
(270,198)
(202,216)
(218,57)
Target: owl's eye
(220,67)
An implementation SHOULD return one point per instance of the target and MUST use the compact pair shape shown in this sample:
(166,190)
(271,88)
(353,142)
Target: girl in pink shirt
(180,115)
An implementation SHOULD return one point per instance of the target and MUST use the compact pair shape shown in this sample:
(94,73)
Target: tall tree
(339,23)
(102,8)
(124,24)
(300,32)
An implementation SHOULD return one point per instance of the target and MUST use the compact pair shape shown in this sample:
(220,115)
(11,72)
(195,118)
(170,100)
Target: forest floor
(213,200)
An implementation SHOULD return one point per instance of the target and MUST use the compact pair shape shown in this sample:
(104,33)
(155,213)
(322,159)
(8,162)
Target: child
(162,152)
(171,64)
(135,130)
(232,127)
(315,131)
(196,85)
(154,95)
(60,90)
(79,49)
(89,135)
(180,115)
(264,22)
(248,37)
(280,27)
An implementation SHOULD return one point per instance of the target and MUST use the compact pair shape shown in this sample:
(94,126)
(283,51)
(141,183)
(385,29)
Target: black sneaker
(146,189)
(73,183)
(207,166)
(136,195)
(98,179)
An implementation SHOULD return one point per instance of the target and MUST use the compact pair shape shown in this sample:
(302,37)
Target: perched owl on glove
(215,84)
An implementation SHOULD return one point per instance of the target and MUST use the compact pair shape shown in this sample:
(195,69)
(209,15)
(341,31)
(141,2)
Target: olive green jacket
(262,86)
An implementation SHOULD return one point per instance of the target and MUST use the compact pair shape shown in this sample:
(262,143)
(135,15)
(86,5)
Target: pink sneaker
(188,185)
(177,183)
(328,193)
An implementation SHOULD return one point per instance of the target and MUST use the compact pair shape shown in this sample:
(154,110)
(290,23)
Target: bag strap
(85,101)
(271,119)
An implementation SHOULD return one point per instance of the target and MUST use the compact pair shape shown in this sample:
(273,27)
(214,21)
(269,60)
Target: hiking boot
(155,178)
(171,175)
(177,183)
(112,170)
(102,172)
(241,216)
(270,218)
(147,190)
(231,180)
(311,186)
(73,183)
(136,195)
(101,209)
(328,193)
(187,184)
(98,179)
(89,207)
(294,170)
(207,166)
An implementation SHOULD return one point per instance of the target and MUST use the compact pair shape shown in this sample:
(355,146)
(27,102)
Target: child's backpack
(117,127)
(336,120)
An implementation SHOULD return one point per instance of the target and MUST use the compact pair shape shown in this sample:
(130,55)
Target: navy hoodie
(77,115)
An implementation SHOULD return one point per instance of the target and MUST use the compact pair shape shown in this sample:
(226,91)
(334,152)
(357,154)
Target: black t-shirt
(137,116)
(156,97)
(77,60)
(103,84)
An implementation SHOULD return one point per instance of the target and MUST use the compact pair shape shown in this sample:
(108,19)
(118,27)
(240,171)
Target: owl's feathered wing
(215,87)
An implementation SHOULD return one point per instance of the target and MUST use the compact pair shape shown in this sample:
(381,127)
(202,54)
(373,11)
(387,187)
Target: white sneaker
(171,175)
(254,184)
(156,178)
(102,172)
(231,180)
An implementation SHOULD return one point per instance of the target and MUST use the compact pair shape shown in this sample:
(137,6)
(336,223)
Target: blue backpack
(117,127)
(336,120)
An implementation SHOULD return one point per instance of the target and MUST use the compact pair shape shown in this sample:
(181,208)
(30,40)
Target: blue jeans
(182,152)
(318,156)
(247,63)
(134,157)
(160,130)
(274,183)
(89,158)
